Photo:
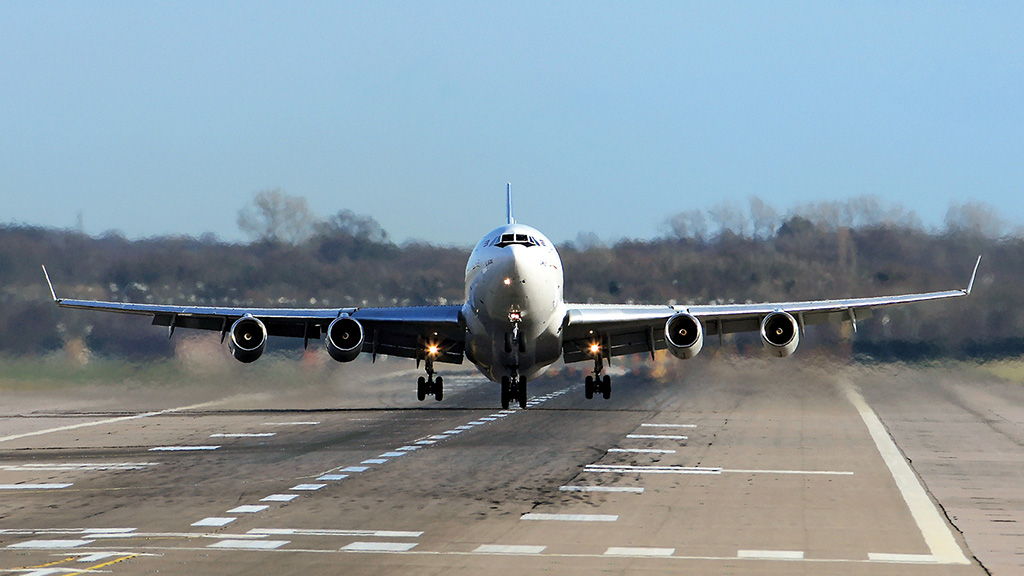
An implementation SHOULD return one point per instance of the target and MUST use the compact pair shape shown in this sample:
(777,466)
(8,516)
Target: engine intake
(248,339)
(780,333)
(344,339)
(684,335)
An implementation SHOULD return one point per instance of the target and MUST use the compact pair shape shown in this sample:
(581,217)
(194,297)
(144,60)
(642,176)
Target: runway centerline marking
(668,425)
(641,451)
(937,534)
(290,423)
(243,435)
(106,421)
(182,448)
(34,486)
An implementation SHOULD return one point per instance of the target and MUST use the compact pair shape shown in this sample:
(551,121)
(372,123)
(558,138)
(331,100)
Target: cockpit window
(521,239)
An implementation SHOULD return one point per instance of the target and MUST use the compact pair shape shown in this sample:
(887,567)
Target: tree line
(859,247)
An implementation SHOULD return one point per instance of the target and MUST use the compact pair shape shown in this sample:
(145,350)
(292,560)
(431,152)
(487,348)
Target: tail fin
(511,218)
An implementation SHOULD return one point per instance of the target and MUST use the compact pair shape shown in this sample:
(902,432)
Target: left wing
(398,331)
(618,330)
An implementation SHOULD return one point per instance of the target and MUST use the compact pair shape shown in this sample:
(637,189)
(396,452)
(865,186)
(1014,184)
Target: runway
(739,467)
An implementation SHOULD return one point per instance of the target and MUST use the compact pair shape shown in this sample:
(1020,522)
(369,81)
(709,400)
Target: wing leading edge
(620,330)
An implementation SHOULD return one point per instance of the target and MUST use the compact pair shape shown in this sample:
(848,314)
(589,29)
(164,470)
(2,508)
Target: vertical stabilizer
(511,218)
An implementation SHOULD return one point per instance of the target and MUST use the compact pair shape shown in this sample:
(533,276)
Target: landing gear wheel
(506,393)
(439,389)
(421,388)
(606,387)
(521,392)
(588,387)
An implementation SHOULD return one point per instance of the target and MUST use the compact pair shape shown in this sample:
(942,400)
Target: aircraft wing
(398,331)
(630,329)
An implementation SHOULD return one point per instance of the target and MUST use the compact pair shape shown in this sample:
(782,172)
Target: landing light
(595,348)
(508,281)
(432,350)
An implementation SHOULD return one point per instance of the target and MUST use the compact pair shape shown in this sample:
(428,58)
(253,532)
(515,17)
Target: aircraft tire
(588,387)
(521,392)
(506,396)
(606,387)
(421,389)
(438,389)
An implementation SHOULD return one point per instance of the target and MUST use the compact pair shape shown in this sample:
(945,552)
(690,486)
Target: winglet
(970,285)
(511,218)
(50,284)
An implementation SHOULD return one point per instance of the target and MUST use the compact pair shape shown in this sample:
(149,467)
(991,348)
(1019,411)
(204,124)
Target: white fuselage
(514,308)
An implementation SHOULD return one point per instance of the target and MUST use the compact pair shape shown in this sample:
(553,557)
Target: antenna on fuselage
(511,218)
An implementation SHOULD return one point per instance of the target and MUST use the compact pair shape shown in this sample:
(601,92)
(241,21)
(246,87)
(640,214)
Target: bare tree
(764,218)
(729,217)
(689,224)
(277,217)
(348,223)
(975,218)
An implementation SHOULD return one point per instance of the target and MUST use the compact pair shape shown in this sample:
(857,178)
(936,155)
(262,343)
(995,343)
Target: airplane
(514,323)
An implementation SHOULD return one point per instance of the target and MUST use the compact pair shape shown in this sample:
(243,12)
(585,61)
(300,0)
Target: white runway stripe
(279,498)
(669,425)
(290,423)
(50,544)
(771,554)
(627,489)
(243,435)
(333,532)
(641,451)
(214,521)
(508,549)
(570,517)
(247,509)
(379,547)
(78,467)
(249,544)
(655,437)
(903,558)
(34,486)
(651,469)
(640,551)
(182,448)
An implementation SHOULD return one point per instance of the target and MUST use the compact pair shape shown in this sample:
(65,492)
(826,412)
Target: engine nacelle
(684,335)
(780,333)
(344,339)
(248,339)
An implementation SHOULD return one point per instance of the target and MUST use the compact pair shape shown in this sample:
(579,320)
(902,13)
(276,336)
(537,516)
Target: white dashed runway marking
(903,558)
(391,455)
(307,487)
(623,469)
(571,517)
(34,486)
(355,469)
(626,489)
(50,544)
(375,461)
(243,435)
(214,521)
(669,425)
(249,544)
(333,532)
(247,509)
(655,437)
(290,423)
(511,549)
(332,477)
(279,498)
(641,451)
(379,547)
(640,551)
(771,554)
(182,448)
(78,467)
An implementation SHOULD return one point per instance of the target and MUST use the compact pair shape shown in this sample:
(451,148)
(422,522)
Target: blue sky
(155,118)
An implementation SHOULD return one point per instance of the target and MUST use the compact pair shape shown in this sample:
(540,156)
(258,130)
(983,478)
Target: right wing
(394,331)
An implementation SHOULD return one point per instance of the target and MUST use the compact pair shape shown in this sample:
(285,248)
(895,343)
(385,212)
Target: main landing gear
(430,386)
(598,384)
(513,388)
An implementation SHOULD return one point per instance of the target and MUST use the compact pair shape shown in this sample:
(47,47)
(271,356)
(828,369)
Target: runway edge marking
(937,535)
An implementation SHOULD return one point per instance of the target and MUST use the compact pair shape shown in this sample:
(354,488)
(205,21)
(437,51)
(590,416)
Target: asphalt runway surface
(735,467)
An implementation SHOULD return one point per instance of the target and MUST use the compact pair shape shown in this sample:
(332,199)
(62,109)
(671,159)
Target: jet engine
(780,333)
(684,335)
(344,339)
(248,339)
